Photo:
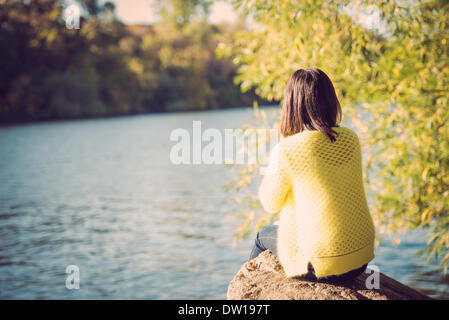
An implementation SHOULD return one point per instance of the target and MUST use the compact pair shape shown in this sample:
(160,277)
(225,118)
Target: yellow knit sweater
(318,188)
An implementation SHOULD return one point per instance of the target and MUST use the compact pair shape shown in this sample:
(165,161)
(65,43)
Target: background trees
(389,61)
(108,68)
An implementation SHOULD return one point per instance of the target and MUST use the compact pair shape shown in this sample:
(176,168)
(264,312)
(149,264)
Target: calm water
(103,195)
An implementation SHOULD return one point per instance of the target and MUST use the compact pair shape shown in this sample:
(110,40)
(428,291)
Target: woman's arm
(275,183)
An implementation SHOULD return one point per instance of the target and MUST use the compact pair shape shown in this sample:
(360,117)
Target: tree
(106,67)
(181,12)
(392,80)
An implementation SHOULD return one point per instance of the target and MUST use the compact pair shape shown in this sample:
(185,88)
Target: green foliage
(71,96)
(108,68)
(181,12)
(392,81)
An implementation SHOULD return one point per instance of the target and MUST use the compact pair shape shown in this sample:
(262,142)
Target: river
(103,195)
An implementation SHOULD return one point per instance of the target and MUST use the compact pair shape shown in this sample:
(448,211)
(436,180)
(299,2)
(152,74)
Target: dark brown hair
(310,103)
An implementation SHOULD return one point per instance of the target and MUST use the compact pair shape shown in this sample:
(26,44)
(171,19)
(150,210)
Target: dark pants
(266,240)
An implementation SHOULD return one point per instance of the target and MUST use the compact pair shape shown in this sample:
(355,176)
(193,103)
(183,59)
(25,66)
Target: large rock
(263,278)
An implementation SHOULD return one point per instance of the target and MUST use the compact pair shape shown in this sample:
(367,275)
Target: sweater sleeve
(275,184)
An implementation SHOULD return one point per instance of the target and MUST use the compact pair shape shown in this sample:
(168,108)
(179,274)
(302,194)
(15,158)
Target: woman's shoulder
(295,142)
(348,132)
(313,136)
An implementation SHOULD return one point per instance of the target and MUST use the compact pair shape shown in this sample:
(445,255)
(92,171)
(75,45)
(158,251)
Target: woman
(314,180)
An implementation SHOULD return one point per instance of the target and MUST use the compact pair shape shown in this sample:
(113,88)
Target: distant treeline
(107,68)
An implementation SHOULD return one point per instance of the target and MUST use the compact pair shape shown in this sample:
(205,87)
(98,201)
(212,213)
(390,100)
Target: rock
(263,278)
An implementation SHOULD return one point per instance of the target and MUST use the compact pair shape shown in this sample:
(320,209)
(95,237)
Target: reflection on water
(103,195)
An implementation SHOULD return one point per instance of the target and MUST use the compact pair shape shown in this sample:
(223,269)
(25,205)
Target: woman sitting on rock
(314,179)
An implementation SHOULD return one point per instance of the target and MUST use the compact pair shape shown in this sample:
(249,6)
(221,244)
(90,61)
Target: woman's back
(325,220)
(327,180)
(315,180)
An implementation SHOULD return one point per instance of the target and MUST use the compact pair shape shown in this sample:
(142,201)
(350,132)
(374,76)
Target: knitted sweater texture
(317,187)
